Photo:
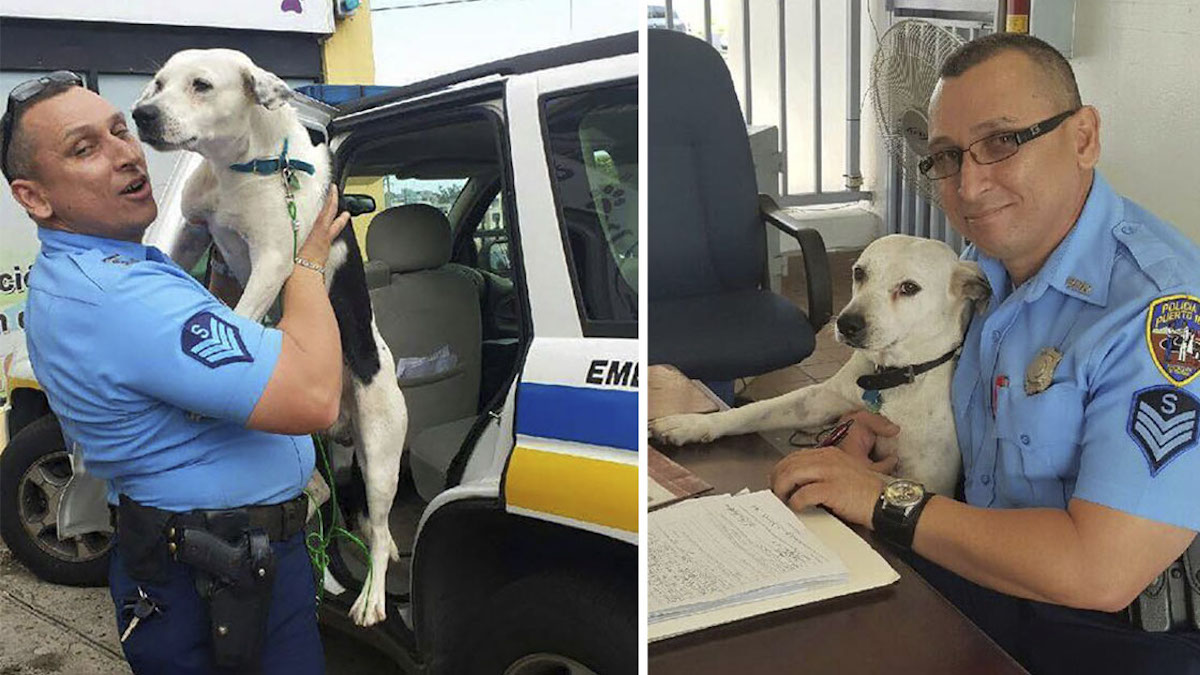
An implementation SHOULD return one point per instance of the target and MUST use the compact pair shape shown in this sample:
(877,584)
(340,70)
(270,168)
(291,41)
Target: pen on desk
(836,434)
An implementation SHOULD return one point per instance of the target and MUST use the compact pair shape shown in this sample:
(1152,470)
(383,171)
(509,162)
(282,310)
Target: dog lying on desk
(911,305)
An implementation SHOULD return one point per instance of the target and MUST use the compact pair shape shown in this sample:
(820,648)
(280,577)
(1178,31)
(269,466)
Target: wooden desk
(903,628)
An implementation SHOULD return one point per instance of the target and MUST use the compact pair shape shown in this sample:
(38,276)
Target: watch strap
(897,526)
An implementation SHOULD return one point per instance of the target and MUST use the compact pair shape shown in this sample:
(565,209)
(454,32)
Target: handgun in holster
(1172,600)
(236,579)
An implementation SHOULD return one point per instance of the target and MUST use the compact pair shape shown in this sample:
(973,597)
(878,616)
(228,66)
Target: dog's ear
(265,88)
(967,281)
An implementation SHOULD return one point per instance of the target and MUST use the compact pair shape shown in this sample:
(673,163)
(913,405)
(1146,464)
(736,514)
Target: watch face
(903,493)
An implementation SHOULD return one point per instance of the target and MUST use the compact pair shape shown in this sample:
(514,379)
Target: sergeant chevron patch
(1163,422)
(213,341)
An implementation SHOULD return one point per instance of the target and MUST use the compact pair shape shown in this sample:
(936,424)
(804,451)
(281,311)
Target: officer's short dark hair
(1053,65)
(20,146)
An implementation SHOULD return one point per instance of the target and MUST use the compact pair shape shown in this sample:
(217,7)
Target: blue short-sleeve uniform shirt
(154,378)
(1116,423)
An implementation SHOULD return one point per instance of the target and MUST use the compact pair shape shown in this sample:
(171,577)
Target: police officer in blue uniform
(197,418)
(1078,428)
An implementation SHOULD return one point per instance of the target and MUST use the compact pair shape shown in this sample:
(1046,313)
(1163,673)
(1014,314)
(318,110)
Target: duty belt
(148,536)
(278,521)
(1172,601)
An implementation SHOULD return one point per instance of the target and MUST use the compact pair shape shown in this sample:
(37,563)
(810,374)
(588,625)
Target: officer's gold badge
(1040,372)
(1173,337)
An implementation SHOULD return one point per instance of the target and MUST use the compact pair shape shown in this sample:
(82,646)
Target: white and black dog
(218,103)
(911,306)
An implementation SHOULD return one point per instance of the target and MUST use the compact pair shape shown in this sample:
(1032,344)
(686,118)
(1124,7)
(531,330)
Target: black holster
(1172,601)
(232,562)
(235,578)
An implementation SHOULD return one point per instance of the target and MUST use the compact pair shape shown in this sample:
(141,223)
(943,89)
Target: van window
(491,240)
(440,193)
(593,147)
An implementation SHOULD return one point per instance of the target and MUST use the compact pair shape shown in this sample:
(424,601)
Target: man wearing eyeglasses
(1075,406)
(196,417)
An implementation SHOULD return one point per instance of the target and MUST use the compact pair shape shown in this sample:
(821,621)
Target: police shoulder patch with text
(1163,422)
(213,341)
(1173,337)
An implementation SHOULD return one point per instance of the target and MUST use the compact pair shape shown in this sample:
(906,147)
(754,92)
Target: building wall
(1137,62)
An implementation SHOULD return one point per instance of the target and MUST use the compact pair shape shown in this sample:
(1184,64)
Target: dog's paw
(370,607)
(682,429)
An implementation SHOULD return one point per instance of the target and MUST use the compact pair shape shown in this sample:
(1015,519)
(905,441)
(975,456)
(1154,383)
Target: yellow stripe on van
(570,486)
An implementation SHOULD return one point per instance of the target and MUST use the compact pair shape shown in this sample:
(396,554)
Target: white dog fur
(900,330)
(218,103)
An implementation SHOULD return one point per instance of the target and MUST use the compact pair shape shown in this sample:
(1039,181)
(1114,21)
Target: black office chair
(712,313)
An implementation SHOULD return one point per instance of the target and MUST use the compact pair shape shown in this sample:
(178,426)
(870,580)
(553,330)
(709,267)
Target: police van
(514,326)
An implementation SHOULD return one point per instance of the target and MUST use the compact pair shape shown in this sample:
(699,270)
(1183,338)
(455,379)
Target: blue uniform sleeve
(1140,432)
(170,340)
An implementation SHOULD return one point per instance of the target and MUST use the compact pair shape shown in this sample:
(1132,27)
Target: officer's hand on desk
(859,440)
(843,478)
(326,228)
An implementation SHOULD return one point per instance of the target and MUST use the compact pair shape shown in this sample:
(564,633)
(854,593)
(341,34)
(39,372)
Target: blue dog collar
(266,167)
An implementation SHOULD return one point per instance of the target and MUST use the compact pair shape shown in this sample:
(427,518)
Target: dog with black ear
(911,306)
(256,197)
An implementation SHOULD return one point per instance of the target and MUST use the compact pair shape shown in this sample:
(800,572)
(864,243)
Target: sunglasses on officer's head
(22,94)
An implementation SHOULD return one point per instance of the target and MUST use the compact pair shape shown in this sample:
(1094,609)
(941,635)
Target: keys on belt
(142,608)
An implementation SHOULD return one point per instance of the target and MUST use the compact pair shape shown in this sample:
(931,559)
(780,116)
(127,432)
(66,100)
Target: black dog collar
(887,378)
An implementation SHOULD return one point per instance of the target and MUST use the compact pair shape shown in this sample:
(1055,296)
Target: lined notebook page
(722,550)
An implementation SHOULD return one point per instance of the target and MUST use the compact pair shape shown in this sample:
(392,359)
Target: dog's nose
(145,114)
(851,325)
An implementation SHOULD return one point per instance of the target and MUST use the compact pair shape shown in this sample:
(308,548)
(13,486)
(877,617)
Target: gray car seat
(428,314)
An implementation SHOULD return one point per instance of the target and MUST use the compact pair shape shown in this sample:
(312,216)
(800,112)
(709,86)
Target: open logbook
(713,560)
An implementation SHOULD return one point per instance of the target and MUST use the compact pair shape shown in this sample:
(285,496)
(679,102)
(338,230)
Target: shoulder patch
(1163,422)
(1173,337)
(213,341)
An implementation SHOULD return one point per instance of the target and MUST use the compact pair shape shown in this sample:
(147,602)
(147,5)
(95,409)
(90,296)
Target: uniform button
(1127,229)
(985,479)
(995,336)
(1025,439)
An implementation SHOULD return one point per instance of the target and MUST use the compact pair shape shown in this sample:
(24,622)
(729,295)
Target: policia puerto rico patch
(213,341)
(1163,422)
(1173,336)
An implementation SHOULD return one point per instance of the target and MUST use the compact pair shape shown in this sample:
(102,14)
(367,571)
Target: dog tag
(1040,372)
(873,399)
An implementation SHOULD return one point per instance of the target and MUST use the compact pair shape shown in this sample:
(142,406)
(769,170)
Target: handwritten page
(722,550)
(866,570)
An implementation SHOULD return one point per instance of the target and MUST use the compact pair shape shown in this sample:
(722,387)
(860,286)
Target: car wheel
(34,469)
(558,623)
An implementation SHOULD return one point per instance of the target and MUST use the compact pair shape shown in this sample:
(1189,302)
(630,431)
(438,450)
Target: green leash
(318,542)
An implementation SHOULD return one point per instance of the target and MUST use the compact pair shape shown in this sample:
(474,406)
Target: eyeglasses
(987,150)
(19,96)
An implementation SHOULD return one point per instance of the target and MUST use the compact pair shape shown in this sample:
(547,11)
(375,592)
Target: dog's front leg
(805,408)
(270,265)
